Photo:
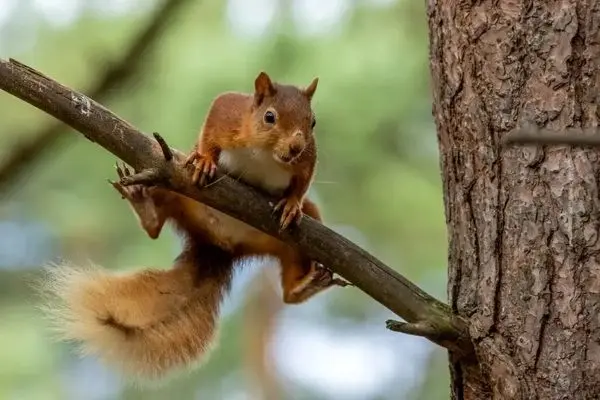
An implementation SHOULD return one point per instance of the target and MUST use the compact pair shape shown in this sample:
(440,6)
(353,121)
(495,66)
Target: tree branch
(416,329)
(239,201)
(572,137)
(115,76)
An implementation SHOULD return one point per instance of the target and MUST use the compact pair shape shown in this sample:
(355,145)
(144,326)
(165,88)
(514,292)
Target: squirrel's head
(283,117)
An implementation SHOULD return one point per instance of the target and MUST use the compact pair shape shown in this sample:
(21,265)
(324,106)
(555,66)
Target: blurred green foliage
(377,181)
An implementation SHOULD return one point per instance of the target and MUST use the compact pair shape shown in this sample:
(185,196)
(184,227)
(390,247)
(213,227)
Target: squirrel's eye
(314,122)
(269,117)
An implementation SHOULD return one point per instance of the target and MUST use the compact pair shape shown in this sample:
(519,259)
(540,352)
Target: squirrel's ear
(263,87)
(311,89)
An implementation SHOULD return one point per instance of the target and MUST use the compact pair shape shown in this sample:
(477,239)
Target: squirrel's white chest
(256,167)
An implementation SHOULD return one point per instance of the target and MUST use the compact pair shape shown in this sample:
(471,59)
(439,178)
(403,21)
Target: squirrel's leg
(141,199)
(301,277)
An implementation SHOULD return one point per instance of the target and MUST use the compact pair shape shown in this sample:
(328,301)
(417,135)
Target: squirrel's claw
(324,276)
(291,211)
(191,157)
(122,170)
(119,188)
(205,167)
(133,193)
(205,170)
(341,282)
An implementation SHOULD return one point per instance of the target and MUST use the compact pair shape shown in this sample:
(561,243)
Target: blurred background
(158,64)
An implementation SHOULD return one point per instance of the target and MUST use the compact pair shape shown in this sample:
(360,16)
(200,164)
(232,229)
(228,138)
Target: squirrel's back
(227,115)
(146,323)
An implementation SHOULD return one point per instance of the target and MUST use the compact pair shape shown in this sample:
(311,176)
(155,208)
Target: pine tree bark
(523,222)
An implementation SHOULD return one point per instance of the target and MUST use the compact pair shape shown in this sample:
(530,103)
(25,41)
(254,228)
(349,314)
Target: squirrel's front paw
(205,167)
(291,211)
(133,193)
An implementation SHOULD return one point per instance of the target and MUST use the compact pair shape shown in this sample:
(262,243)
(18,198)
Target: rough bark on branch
(238,200)
(114,77)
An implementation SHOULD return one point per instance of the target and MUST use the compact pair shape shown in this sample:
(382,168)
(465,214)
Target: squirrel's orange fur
(151,322)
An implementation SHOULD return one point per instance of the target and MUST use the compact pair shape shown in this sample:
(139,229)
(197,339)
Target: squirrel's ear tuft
(263,87)
(311,89)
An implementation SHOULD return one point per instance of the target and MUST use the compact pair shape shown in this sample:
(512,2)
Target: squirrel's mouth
(287,159)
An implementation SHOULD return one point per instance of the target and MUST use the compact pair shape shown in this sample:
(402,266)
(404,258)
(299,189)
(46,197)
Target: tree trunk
(522,222)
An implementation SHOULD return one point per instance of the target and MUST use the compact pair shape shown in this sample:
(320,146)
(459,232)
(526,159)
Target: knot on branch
(166,150)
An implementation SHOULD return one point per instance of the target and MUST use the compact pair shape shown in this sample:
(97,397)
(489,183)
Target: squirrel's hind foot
(134,193)
(141,201)
(318,279)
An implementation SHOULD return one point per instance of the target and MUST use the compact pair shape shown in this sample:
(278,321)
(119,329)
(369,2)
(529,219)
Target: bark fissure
(499,233)
(456,374)
(547,302)
(472,224)
(575,65)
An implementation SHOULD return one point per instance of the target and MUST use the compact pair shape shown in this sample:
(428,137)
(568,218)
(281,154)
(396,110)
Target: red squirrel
(152,322)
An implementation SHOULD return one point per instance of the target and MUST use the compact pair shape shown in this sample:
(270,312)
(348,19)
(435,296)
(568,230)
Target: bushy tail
(146,324)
